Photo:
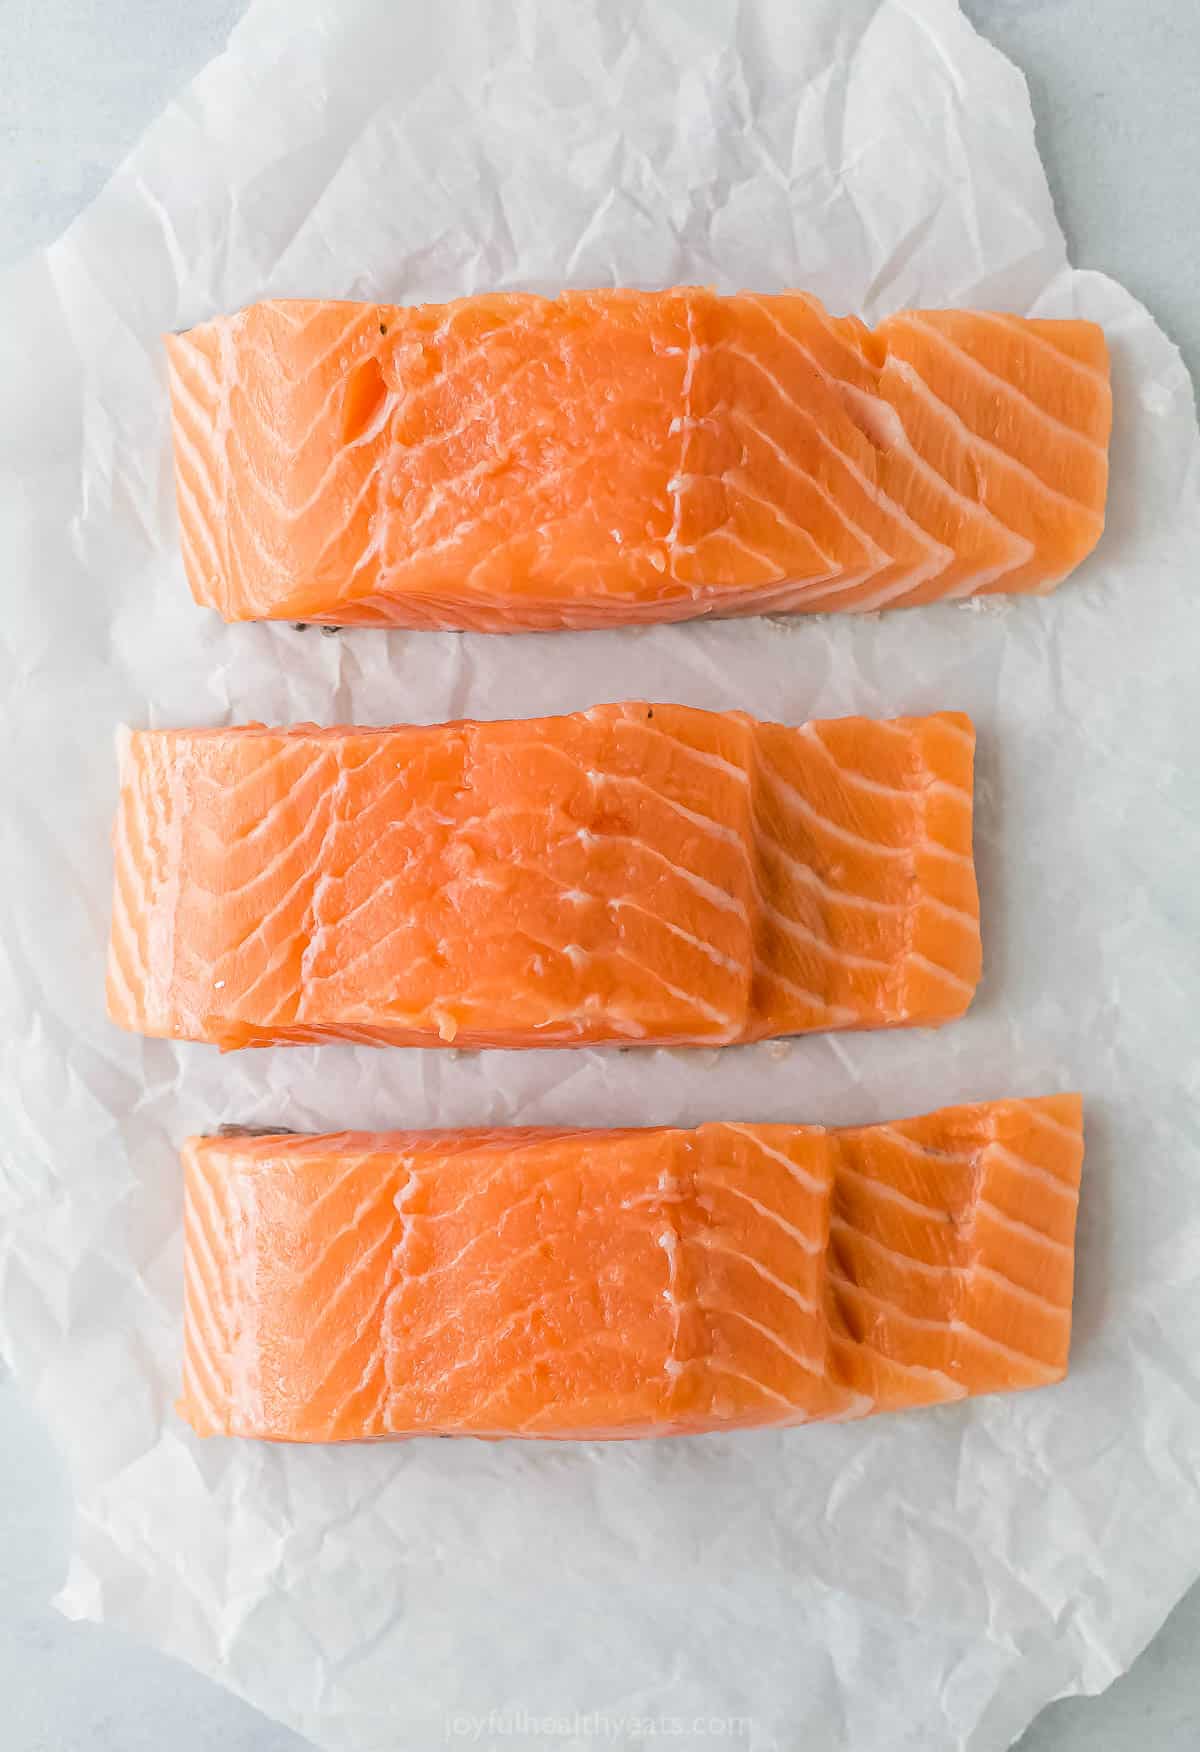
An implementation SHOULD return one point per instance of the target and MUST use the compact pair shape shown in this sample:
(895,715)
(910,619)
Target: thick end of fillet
(289,1247)
(279,423)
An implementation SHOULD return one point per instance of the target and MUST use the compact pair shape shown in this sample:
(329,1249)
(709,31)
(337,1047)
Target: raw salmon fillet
(625,1283)
(610,457)
(632,873)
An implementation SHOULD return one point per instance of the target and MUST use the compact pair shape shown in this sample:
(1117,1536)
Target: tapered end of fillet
(1025,1230)
(1024,1238)
(945,957)
(952,1251)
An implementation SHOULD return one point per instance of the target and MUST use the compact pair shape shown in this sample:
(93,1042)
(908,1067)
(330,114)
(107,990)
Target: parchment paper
(924,1581)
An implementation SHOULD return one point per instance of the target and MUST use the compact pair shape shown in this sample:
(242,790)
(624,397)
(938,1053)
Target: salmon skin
(645,874)
(605,458)
(603,1284)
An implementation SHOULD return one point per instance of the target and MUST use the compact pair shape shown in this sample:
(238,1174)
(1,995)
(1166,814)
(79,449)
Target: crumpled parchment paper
(924,1581)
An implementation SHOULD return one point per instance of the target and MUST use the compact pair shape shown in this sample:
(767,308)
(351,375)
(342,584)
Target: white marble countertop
(1116,90)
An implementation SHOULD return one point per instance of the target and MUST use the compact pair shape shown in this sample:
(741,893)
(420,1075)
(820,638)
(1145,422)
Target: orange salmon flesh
(640,874)
(597,1284)
(606,458)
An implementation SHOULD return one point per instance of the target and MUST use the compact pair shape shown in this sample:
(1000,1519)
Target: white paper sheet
(924,1581)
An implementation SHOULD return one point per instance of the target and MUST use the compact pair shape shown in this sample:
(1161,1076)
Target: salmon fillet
(633,873)
(604,458)
(625,1283)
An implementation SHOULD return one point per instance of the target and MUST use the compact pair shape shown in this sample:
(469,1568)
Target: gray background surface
(1116,92)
